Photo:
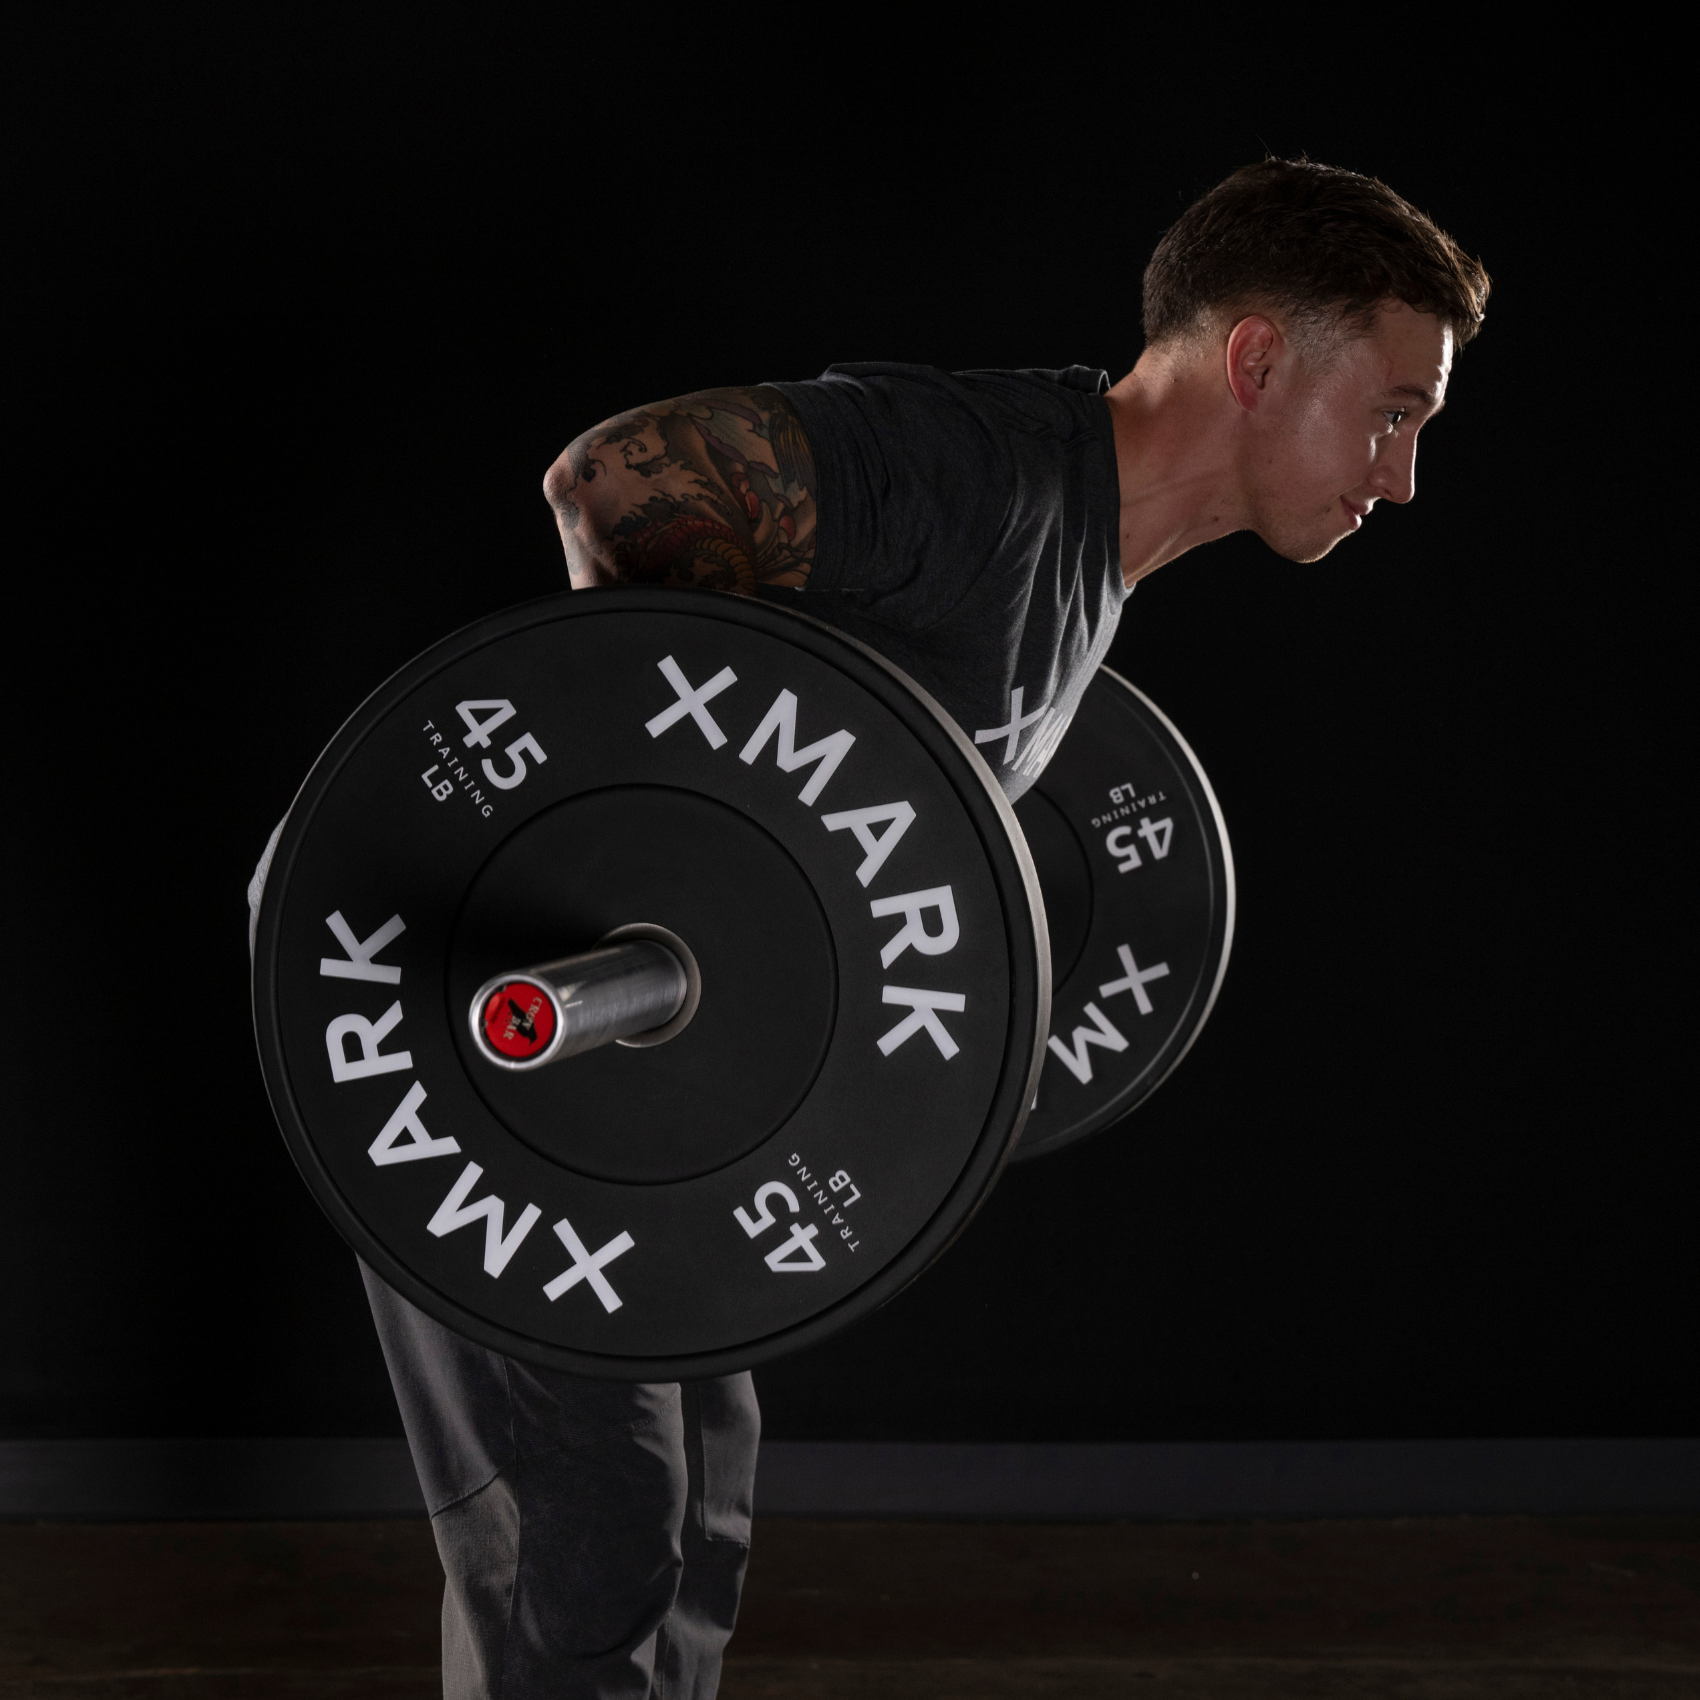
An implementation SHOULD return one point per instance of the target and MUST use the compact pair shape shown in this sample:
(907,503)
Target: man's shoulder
(1075,380)
(1060,381)
(1048,401)
(1056,402)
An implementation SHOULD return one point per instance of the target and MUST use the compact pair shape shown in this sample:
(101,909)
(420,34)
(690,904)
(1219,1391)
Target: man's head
(1331,310)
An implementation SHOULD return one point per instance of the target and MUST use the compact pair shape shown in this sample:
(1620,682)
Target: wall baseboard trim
(1230,1479)
(286,1479)
(189,1480)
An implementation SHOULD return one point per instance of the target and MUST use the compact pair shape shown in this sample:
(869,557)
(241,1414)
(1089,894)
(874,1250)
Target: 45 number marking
(796,1255)
(1158,835)
(500,712)
(481,716)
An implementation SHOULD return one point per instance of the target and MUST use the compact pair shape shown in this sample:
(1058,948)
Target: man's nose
(1395,474)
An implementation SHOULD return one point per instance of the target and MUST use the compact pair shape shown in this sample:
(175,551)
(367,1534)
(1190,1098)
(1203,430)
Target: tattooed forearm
(715,490)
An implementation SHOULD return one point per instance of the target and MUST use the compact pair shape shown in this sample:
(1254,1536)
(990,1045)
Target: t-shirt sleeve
(913,487)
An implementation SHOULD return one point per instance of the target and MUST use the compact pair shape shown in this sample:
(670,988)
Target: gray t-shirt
(969,531)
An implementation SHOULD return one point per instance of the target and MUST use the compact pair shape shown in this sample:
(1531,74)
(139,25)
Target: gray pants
(593,1533)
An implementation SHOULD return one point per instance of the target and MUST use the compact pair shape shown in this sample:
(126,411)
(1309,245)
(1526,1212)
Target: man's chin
(1303,550)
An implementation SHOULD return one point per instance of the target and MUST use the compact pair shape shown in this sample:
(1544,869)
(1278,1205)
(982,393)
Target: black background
(302,317)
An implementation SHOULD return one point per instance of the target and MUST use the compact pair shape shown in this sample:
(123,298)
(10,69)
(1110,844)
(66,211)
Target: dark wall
(303,320)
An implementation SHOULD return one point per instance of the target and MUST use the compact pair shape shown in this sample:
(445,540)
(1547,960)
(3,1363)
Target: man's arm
(713,490)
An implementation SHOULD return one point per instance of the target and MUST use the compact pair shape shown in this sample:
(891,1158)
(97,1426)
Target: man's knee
(563,1567)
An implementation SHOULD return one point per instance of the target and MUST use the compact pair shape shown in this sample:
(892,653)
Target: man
(982,530)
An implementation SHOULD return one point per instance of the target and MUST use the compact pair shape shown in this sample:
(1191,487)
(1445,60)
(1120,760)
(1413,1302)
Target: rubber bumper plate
(862,911)
(1138,881)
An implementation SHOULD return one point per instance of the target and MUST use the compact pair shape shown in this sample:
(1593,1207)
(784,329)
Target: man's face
(1344,436)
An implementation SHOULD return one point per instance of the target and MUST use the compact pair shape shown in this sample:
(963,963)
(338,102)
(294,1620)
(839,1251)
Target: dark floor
(1420,1609)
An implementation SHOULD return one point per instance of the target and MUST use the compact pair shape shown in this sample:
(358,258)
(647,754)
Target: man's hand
(714,490)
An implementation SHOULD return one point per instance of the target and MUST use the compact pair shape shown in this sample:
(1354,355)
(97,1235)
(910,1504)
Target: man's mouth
(1354,514)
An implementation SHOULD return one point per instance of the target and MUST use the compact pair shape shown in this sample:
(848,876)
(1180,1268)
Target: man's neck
(1174,460)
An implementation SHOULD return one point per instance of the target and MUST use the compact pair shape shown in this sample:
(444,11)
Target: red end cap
(519,1020)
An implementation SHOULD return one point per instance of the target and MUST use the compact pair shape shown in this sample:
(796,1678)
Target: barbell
(650,983)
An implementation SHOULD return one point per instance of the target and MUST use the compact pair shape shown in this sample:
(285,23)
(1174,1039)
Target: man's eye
(1395,415)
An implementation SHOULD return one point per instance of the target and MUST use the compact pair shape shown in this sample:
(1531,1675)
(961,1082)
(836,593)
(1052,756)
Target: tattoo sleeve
(713,490)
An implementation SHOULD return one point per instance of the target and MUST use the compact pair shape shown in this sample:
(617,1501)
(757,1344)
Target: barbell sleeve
(534,1016)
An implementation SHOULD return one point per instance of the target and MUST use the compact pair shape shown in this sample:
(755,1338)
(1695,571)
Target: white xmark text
(1075,1056)
(1010,733)
(931,926)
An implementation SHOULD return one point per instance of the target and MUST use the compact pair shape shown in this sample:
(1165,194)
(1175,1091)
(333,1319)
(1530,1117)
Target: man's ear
(1254,346)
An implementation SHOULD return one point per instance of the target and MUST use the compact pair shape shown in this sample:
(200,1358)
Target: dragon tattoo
(713,490)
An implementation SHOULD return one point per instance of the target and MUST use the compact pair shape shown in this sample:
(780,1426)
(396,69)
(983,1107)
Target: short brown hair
(1323,246)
